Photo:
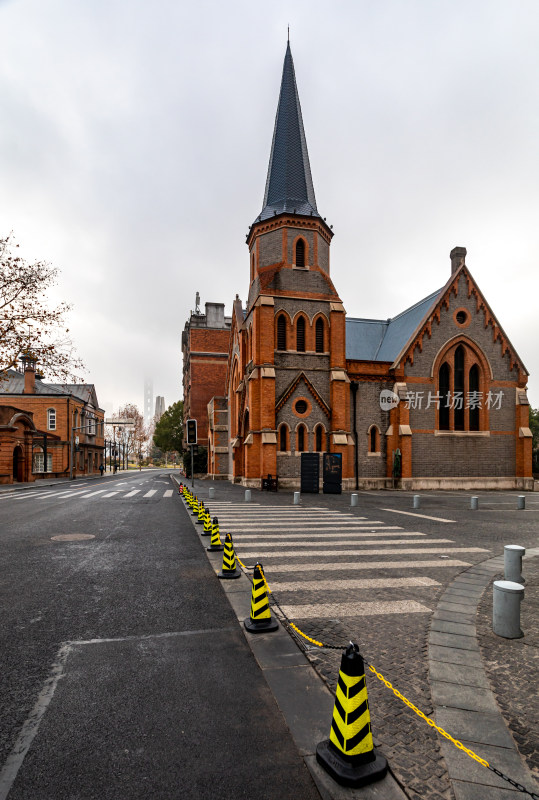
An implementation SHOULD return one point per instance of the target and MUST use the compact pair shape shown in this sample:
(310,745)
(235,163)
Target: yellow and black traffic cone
(201,513)
(194,507)
(207,523)
(229,569)
(260,620)
(349,755)
(215,543)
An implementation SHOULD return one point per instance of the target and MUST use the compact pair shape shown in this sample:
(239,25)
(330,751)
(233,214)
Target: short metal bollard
(247,495)
(212,493)
(474,503)
(417,501)
(521,502)
(512,559)
(353,499)
(506,599)
(296,498)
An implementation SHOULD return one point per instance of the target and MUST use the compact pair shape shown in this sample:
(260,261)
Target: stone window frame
(51,418)
(38,460)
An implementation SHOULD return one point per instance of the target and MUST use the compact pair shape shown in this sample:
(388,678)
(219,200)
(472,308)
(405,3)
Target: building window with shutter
(300,253)
(319,438)
(300,335)
(301,439)
(319,335)
(281,332)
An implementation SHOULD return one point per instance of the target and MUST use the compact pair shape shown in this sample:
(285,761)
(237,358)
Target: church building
(434,397)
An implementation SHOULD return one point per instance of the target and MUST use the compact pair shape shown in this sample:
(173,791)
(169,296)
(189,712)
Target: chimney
(215,315)
(29,367)
(458,258)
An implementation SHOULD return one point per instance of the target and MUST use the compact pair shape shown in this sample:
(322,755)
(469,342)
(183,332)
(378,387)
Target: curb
(303,698)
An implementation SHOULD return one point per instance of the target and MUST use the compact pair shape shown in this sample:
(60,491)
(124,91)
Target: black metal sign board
(332,475)
(310,473)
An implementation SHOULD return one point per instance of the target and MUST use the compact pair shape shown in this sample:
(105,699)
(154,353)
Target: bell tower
(296,391)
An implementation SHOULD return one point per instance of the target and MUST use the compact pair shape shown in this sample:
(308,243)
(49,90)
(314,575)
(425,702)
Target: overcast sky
(135,138)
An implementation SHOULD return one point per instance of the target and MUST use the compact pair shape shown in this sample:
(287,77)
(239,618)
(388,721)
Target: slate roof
(14,384)
(289,185)
(383,340)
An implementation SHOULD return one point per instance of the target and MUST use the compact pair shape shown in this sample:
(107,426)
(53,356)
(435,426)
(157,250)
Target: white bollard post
(212,492)
(353,499)
(506,599)
(296,498)
(512,558)
(521,502)
(474,503)
(417,501)
(247,495)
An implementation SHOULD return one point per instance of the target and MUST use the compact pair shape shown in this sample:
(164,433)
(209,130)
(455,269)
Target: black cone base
(264,626)
(215,547)
(347,773)
(229,573)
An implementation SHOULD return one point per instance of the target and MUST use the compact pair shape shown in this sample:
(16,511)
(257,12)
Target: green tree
(168,434)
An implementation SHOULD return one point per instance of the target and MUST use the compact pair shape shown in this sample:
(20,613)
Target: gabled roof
(292,386)
(289,185)
(383,340)
(13,383)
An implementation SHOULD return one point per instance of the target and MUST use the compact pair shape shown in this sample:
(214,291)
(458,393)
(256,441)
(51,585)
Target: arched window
(38,460)
(462,397)
(319,335)
(283,438)
(319,438)
(374,439)
(51,419)
(474,397)
(300,335)
(252,266)
(458,391)
(281,332)
(246,424)
(300,253)
(301,439)
(445,399)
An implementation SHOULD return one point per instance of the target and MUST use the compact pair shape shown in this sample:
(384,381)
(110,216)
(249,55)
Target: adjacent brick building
(434,397)
(205,345)
(47,430)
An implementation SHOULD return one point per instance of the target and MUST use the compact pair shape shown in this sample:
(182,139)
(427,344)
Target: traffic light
(191,431)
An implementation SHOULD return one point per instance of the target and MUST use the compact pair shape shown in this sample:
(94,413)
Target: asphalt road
(123,671)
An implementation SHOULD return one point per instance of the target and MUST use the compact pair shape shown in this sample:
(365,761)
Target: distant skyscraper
(148,400)
(159,407)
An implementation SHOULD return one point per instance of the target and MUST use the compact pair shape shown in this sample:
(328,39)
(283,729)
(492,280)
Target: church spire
(289,185)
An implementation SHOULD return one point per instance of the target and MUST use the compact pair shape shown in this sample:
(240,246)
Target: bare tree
(133,438)
(27,322)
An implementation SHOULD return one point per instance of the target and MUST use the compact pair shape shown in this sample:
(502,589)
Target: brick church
(434,397)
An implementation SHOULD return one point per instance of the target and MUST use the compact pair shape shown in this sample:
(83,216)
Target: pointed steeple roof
(289,185)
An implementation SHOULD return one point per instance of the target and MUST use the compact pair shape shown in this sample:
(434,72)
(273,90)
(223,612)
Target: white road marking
(413,514)
(396,551)
(150,493)
(346,543)
(351,583)
(131,494)
(344,535)
(353,565)
(93,494)
(337,611)
(110,494)
(168,493)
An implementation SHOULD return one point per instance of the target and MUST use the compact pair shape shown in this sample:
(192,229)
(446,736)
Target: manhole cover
(72,537)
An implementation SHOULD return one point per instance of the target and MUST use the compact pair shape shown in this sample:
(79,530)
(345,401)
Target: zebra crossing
(87,493)
(304,549)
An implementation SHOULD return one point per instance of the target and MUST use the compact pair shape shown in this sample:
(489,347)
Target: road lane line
(411,514)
